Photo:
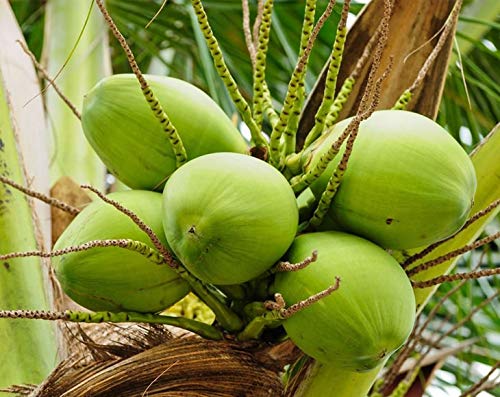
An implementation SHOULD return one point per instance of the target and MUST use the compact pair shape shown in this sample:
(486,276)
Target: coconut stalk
(71,155)
(28,350)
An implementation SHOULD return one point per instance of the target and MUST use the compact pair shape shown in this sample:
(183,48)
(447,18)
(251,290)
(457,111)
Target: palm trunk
(71,155)
(28,349)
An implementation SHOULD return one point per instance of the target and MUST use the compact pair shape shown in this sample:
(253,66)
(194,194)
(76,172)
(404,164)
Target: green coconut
(366,319)
(228,217)
(124,132)
(408,182)
(112,278)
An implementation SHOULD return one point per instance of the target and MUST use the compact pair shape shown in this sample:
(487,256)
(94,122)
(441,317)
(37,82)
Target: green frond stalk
(260,65)
(71,154)
(307,28)
(403,100)
(29,351)
(225,75)
(327,197)
(331,77)
(292,94)
(153,102)
(167,126)
(339,102)
(202,329)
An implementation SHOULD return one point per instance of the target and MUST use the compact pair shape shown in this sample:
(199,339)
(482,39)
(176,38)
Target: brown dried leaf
(177,367)
(68,191)
(412,24)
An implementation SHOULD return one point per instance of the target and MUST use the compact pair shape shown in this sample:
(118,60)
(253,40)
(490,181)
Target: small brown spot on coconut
(6,265)
(388,221)
(382,354)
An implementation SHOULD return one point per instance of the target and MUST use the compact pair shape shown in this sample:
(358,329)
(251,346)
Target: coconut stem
(46,76)
(456,277)
(202,329)
(478,215)
(275,312)
(293,267)
(153,102)
(292,93)
(131,245)
(307,28)
(325,380)
(259,74)
(225,75)
(140,223)
(40,196)
(333,71)
(452,254)
(228,319)
(289,312)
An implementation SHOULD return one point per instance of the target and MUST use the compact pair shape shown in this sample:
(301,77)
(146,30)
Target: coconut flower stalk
(28,350)
(65,22)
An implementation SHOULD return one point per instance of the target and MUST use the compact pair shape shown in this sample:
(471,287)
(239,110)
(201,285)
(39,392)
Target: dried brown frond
(186,366)
(68,191)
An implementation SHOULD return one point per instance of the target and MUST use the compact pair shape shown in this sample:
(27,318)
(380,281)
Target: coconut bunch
(278,241)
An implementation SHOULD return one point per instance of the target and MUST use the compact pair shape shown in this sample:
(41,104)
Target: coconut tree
(170,42)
